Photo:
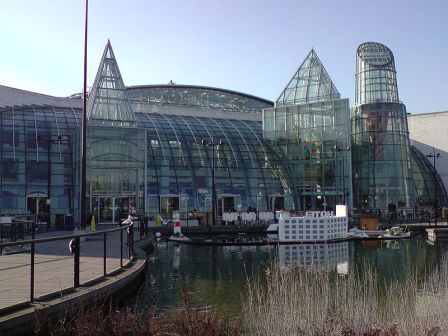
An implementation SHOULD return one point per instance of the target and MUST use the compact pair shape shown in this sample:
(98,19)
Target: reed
(303,302)
(287,302)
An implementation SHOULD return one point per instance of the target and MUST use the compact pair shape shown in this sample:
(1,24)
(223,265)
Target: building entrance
(37,204)
(112,209)
(227,203)
(168,204)
(276,202)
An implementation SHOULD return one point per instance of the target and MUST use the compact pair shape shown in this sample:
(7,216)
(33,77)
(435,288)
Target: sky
(250,46)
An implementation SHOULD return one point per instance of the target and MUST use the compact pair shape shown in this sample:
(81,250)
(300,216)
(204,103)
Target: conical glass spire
(108,101)
(311,83)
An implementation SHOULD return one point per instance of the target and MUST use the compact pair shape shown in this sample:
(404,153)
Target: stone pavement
(54,266)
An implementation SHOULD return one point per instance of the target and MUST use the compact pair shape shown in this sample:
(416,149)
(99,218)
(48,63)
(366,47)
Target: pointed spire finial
(310,83)
(108,100)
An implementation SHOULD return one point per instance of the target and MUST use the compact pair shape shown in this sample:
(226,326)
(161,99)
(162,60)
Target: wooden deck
(54,273)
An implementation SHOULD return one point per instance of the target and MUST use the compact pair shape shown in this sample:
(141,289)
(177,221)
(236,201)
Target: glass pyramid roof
(108,100)
(310,83)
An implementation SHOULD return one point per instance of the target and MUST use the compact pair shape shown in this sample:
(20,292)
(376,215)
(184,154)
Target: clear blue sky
(252,46)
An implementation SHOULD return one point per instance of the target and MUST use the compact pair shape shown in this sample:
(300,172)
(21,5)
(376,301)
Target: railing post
(104,254)
(32,264)
(130,241)
(76,263)
(1,238)
(121,247)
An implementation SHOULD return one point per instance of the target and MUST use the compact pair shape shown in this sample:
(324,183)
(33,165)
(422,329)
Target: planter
(369,221)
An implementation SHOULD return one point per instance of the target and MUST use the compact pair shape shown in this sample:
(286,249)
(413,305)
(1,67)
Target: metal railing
(198,218)
(404,215)
(75,248)
(21,226)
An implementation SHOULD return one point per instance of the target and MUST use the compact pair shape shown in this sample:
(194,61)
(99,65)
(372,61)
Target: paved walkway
(54,266)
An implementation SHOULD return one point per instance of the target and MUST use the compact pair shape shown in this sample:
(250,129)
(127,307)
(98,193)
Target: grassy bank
(296,302)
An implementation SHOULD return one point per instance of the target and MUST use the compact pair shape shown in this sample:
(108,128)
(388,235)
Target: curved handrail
(50,239)
(75,248)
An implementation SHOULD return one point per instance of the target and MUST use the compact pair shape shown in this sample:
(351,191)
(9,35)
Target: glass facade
(158,166)
(382,169)
(310,125)
(37,159)
(315,140)
(147,147)
(247,171)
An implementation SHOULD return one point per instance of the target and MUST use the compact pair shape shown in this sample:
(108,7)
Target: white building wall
(428,130)
(11,96)
(315,226)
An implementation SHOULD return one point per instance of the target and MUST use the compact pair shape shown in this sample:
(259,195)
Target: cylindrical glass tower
(382,171)
(376,78)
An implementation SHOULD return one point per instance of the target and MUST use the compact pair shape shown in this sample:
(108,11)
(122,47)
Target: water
(216,276)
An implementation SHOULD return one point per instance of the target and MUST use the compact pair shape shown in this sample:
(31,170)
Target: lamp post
(83,170)
(60,139)
(434,156)
(213,144)
(336,149)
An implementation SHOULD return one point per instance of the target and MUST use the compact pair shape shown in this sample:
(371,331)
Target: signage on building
(314,214)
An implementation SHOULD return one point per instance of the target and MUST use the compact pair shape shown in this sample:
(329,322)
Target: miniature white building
(314,226)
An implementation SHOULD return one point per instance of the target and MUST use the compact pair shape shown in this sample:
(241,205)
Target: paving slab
(53,270)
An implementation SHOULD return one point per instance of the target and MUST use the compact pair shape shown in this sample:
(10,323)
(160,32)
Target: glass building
(382,169)
(149,147)
(144,152)
(310,124)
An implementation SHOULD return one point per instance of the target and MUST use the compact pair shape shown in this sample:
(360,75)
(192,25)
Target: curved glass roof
(197,96)
(424,180)
(246,165)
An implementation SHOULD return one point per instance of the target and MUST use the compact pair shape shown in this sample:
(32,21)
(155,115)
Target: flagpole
(83,133)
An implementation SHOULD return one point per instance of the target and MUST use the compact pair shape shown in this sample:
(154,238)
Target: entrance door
(123,205)
(39,206)
(226,203)
(105,209)
(112,209)
(168,204)
(277,202)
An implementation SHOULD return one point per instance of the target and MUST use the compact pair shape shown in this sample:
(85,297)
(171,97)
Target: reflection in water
(315,256)
(213,275)
(217,275)
(176,257)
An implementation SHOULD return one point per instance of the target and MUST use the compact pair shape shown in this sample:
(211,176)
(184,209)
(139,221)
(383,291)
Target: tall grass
(287,302)
(300,302)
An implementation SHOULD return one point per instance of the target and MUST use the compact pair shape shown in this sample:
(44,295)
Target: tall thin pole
(343,179)
(435,156)
(436,203)
(84,123)
(213,186)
